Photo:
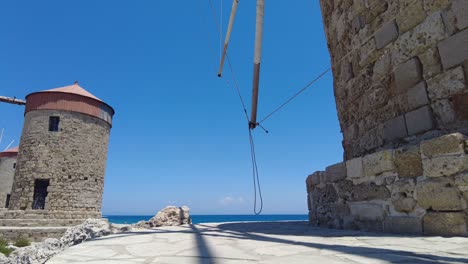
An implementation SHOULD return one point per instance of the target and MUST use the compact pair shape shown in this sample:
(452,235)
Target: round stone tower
(399,70)
(7,172)
(62,154)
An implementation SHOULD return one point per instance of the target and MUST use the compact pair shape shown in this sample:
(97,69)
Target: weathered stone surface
(453,50)
(402,196)
(411,16)
(465,196)
(450,144)
(369,225)
(446,84)
(367,211)
(368,52)
(438,195)
(443,111)
(430,61)
(423,36)
(408,74)
(169,216)
(73,159)
(461,179)
(377,163)
(382,67)
(460,9)
(403,225)
(395,128)
(432,6)
(419,120)
(313,179)
(417,96)
(354,168)
(386,34)
(444,224)
(460,105)
(336,172)
(361,192)
(408,162)
(444,165)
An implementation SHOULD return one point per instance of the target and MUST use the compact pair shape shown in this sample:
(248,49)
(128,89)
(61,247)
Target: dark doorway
(7,203)
(40,194)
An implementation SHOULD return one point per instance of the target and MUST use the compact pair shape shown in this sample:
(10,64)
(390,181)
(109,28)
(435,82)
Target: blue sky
(179,134)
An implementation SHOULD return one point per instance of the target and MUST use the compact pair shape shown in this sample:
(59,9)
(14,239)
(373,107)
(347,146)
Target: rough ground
(291,242)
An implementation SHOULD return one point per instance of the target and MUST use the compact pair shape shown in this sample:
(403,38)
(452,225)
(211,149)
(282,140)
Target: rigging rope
(295,95)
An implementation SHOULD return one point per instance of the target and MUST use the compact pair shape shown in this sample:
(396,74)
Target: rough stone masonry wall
(7,172)
(422,189)
(400,70)
(73,158)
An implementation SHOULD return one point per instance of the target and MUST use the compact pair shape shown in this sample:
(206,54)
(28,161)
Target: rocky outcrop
(41,252)
(169,216)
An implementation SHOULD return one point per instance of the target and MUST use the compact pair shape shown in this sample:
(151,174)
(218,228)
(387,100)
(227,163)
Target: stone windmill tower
(62,155)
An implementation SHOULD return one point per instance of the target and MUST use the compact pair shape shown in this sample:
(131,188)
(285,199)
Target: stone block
(314,179)
(378,163)
(451,144)
(441,166)
(416,41)
(367,211)
(403,196)
(386,34)
(419,120)
(368,52)
(430,63)
(410,16)
(454,50)
(358,23)
(408,74)
(369,225)
(336,172)
(408,162)
(354,168)
(461,179)
(460,10)
(434,194)
(417,96)
(403,225)
(446,84)
(444,113)
(382,67)
(460,105)
(432,6)
(362,192)
(395,128)
(465,196)
(444,224)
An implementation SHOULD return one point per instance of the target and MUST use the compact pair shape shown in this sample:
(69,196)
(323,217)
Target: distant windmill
(1,138)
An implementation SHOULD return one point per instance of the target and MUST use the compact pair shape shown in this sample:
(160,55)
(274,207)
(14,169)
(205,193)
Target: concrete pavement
(261,242)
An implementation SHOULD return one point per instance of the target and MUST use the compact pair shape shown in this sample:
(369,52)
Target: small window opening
(54,123)
(85,178)
(14,165)
(7,203)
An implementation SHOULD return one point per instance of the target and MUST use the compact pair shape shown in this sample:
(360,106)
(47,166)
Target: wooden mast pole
(228,35)
(9,100)
(257,60)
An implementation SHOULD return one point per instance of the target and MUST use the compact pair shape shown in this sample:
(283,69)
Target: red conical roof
(73,89)
(12,152)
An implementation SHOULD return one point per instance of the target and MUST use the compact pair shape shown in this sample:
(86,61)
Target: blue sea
(197,219)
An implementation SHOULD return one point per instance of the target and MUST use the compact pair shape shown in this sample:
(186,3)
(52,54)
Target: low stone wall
(421,189)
